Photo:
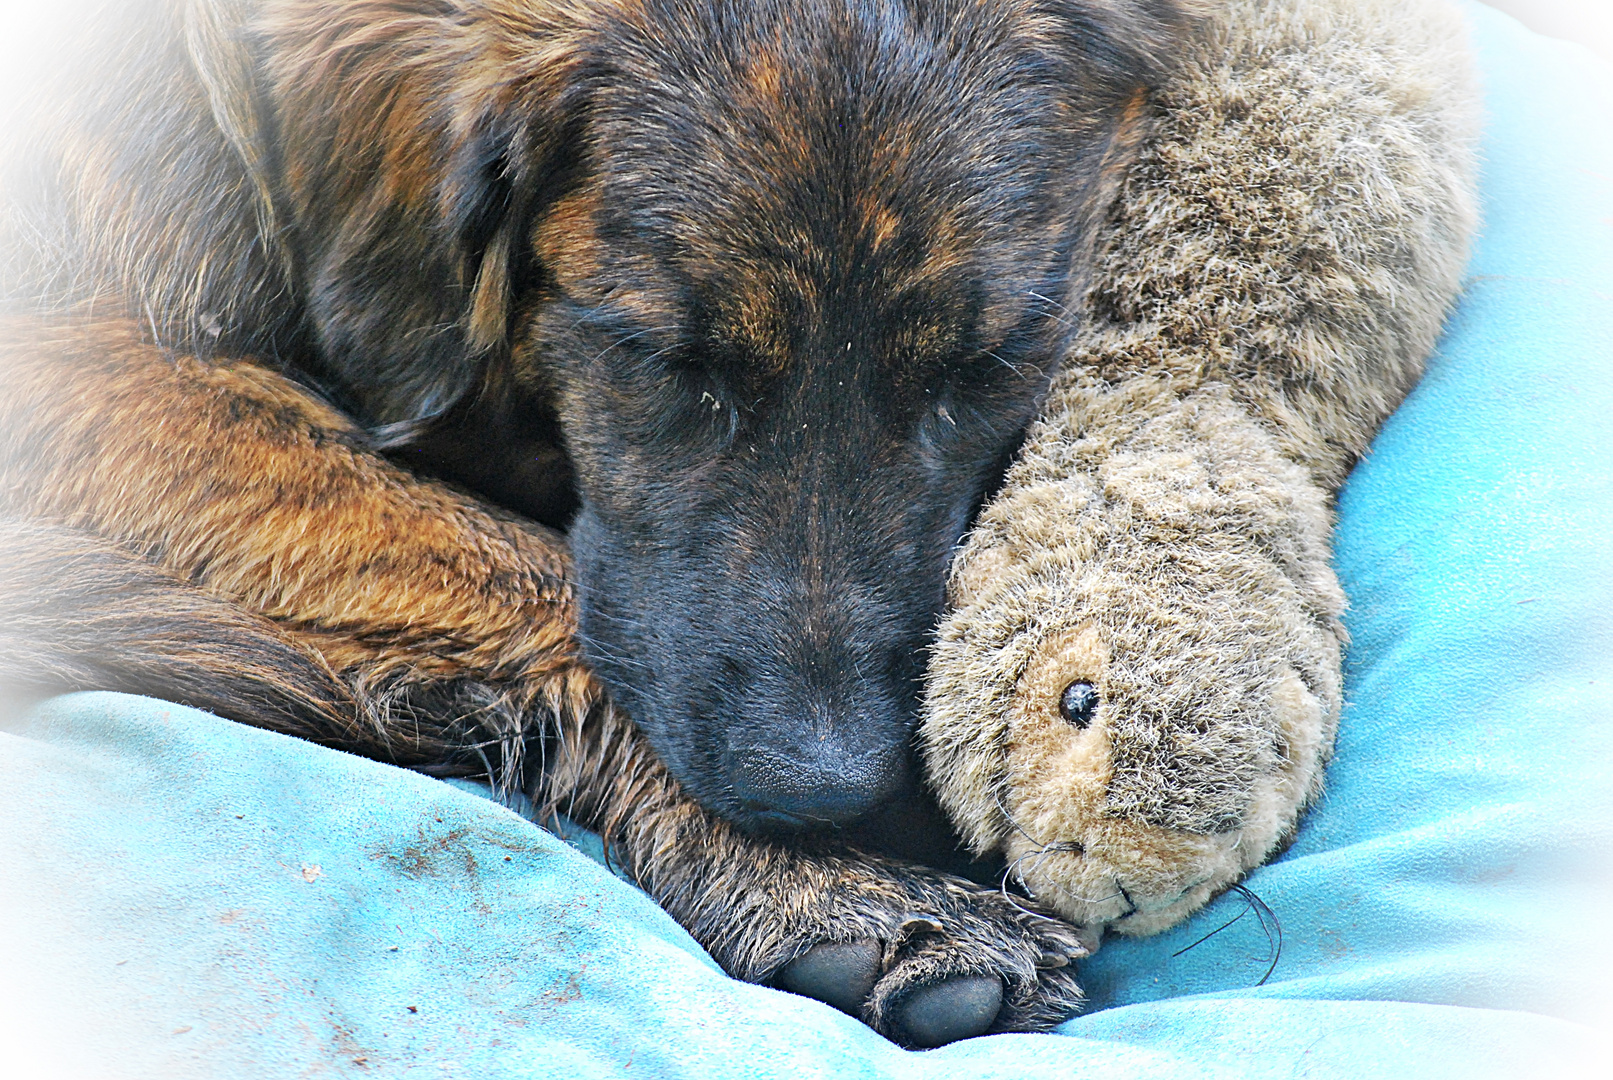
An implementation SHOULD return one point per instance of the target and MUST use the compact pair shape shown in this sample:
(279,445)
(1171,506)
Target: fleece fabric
(184,897)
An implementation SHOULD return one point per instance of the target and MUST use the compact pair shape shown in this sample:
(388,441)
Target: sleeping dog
(753,299)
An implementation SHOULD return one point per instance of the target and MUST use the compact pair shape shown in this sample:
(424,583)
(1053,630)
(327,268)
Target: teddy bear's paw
(927,959)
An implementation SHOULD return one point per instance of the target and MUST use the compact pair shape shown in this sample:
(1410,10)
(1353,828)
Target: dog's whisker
(1003,809)
(1002,887)
(1062,320)
(661,352)
(625,338)
(620,620)
(601,651)
(1049,300)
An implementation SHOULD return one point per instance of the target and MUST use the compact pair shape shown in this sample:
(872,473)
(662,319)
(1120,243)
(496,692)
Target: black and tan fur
(409,622)
(266,264)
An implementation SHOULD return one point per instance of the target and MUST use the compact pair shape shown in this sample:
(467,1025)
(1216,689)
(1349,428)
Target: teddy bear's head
(1086,834)
(1137,687)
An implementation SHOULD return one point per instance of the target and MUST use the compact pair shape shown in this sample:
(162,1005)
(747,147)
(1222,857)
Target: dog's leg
(446,627)
(239,481)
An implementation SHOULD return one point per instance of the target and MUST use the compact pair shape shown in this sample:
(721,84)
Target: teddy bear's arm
(1274,272)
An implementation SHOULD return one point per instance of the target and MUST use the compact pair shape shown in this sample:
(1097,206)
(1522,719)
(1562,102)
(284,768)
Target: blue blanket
(185,897)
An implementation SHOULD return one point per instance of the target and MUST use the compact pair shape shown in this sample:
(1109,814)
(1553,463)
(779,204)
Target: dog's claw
(945,1012)
(841,974)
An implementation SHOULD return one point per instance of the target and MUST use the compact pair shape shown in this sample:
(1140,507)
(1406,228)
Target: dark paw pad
(956,1009)
(841,974)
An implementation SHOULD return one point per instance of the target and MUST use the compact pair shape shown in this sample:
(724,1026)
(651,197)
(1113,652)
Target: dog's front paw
(926,959)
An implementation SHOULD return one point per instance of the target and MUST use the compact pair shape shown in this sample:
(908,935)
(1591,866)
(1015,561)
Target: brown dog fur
(249,246)
(168,499)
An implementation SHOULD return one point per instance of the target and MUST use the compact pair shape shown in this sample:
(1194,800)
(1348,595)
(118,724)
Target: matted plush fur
(1277,269)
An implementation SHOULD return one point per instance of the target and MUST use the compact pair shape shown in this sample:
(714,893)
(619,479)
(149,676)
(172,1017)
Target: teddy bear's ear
(418,142)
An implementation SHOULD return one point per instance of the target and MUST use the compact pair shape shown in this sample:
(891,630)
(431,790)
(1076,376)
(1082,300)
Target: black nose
(784,787)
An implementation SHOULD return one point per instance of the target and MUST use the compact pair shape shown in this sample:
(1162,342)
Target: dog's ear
(217,43)
(419,140)
(1104,57)
(1123,42)
(1116,43)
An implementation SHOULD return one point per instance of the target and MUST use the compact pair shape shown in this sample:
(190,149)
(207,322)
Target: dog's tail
(78,612)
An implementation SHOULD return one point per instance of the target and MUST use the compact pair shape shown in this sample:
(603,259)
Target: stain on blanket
(439,851)
(435,853)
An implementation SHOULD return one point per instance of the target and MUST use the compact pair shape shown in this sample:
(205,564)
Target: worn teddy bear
(1139,681)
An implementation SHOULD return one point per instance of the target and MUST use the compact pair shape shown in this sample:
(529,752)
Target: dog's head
(791,275)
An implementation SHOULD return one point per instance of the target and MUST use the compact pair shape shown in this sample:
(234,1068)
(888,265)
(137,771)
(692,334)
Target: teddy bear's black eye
(1078,702)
